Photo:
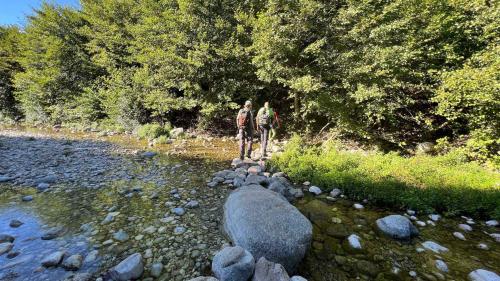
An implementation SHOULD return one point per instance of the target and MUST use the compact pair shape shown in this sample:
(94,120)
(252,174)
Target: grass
(153,131)
(446,183)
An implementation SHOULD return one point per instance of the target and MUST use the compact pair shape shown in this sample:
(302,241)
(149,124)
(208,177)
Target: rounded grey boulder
(267,225)
(397,227)
(233,264)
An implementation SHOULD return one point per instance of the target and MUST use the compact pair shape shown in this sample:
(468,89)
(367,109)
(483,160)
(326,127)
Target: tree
(10,38)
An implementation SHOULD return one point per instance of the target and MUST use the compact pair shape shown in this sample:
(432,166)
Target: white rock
(412,274)
(420,223)
(442,266)
(465,227)
(459,235)
(314,189)
(492,223)
(334,193)
(435,247)
(483,275)
(429,222)
(411,212)
(435,217)
(354,241)
(483,246)
(358,206)
(307,183)
(297,278)
(413,218)
(495,236)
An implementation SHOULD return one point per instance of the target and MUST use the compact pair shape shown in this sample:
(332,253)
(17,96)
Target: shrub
(152,131)
(162,140)
(446,183)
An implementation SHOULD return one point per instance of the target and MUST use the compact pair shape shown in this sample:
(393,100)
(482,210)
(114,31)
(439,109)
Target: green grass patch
(447,183)
(153,131)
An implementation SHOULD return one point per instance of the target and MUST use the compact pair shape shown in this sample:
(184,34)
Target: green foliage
(153,131)
(10,38)
(394,73)
(162,140)
(446,183)
(57,67)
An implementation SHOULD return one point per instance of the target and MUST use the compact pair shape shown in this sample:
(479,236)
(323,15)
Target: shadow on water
(103,176)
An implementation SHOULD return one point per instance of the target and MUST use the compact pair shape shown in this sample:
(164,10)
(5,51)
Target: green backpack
(264,118)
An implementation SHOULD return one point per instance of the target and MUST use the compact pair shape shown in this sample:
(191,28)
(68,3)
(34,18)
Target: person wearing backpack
(264,122)
(244,122)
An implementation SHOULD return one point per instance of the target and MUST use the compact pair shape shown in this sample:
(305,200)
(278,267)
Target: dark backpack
(243,119)
(264,118)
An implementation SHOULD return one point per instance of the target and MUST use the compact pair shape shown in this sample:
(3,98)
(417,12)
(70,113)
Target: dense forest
(393,73)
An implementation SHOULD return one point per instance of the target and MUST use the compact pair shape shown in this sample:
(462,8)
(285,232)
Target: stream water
(111,200)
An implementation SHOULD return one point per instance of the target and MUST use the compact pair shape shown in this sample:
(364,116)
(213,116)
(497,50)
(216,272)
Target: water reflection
(24,260)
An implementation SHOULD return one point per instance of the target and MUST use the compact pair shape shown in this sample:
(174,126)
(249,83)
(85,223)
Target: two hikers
(265,122)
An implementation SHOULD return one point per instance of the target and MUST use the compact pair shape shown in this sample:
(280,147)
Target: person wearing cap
(245,124)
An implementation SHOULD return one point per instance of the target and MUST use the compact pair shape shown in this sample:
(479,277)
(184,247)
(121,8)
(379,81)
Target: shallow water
(140,194)
(331,259)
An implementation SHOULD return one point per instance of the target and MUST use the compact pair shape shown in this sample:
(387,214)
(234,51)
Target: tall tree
(10,38)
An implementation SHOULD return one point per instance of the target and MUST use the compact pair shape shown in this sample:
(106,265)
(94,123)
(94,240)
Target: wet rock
(495,236)
(315,190)
(459,235)
(82,277)
(53,259)
(120,235)
(483,275)
(5,247)
(397,227)
(53,233)
(27,198)
(91,257)
(251,217)
(233,263)
(15,223)
(129,269)
(434,247)
(269,271)
(465,227)
(13,254)
(6,238)
(492,223)
(335,192)
(156,269)
(441,265)
(73,262)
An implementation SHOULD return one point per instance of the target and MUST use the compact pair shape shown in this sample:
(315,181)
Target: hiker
(244,122)
(275,124)
(265,120)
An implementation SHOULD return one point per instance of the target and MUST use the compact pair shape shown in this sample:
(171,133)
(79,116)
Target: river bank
(111,196)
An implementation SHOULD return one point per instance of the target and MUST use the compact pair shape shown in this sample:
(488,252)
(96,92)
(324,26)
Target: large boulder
(397,227)
(130,268)
(264,223)
(233,264)
(269,271)
(483,275)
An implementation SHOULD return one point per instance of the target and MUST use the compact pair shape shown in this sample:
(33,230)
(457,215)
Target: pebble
(156,269)
(6,238)
(53,259)
(492,223)
(459,235)
(315,190)
(178,211)
(442,266)
(358,206)
(435,217)
(410,212)
(483,246)
(465,227)
(192,204)
(434,247)
(335,192)
(27,198)
(420,223)
(120,235)
(483,275)
(179,230)
(354,241)
(15,223)
(73,263)
(5,247)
